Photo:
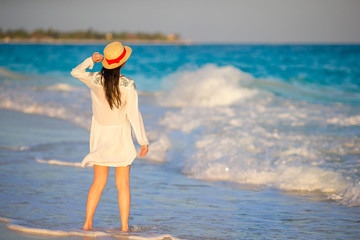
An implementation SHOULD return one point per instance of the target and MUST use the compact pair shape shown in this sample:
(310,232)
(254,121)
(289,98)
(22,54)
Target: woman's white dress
(111,143)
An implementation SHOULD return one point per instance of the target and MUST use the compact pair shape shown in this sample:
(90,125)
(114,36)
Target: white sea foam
(302,178)
(71,106)
(242,151)
(58,87)
(345,121)
(49,232)
(58,162)
(190,118)
(350,196)
(135,233)
(241,160)
(82,233)
(158,148)
(208,86)
(248,153)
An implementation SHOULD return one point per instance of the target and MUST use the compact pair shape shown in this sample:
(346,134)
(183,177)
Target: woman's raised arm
(80,71)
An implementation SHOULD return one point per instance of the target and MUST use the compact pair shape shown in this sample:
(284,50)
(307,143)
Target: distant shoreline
(164,42)
(93,41)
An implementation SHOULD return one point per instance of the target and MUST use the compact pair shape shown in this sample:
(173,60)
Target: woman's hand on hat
(144,150)
(97,57)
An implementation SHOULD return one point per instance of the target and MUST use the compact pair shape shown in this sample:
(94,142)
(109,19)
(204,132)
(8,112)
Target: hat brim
(115,65)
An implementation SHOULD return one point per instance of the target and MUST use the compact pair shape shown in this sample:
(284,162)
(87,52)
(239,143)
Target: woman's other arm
(135,118)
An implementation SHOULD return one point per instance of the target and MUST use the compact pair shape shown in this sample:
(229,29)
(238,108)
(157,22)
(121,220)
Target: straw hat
(115,54)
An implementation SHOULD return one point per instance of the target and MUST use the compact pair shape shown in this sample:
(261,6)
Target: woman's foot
(125,228)
(87,227)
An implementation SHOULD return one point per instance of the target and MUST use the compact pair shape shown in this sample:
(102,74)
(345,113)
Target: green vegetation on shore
(53,35)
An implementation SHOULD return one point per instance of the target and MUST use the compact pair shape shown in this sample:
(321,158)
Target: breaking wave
(248,135)
(209,86)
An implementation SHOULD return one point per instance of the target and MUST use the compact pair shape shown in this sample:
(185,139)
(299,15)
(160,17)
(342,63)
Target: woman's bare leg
(123,187)
(100,178)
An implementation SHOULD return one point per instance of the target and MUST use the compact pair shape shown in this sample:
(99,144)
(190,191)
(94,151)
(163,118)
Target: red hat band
(116,60)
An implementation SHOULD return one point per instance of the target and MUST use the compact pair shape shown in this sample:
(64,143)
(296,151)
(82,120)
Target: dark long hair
(111,85)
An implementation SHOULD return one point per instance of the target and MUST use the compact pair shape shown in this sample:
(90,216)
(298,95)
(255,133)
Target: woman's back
(100,106)
(127,113)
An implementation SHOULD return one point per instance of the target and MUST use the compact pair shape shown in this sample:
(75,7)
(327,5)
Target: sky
(209,21)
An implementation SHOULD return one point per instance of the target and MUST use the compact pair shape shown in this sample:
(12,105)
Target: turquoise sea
(246,142)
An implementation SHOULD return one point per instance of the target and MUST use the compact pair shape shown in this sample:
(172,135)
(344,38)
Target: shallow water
(260,143)
(164,201)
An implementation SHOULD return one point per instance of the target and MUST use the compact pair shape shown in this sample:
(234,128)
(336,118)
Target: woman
(115,108)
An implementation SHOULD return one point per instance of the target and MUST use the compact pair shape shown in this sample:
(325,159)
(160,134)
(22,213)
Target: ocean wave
(160,143)
(245,161)
(62,87)
(208,86)
(73,106)
(269,141)
(212,85)
(350,196)
(288,178)
(59,162)
(298,169)
(312,91)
